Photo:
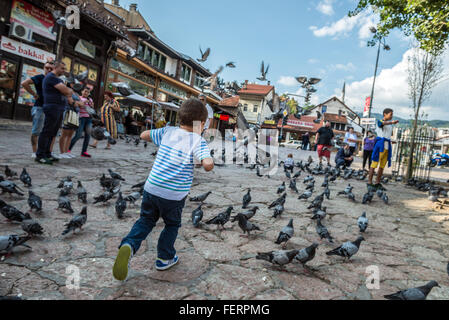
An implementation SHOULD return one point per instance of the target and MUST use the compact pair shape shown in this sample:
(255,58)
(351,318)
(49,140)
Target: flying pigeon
(307,254)
(197,216)
(25,178)
(280,258)
(200,198)
(245,224)
(278,201)
(204,55)
(133,197)
(64,202)
(347,249)
(263,72)
(115,175)
(285,234)
(120,206)
(81,192)
(77,222)
(11,213)
(230,65)
(323,232)
(10,173)
(281,189)
(419,293)
(222,218)
(362,222)
(7,243)
(246,199)
(34,201)
(32,227)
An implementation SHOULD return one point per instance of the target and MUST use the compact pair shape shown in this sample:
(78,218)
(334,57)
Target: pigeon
(9,173)
(317,202)
(293,186)
(310,186)
(10,187)
(11,213)
(351,196)
(115,175)
(308,179)
(7,243)
(25,178)
(82,193)
(307,254)
(248,214)
(278,210)
(347,249)
(297,174)
(348,189)
(368,197)
(323,232)
(120,206)
(109,183)
(379,193)
(66,184)
(281,189)
(327,193)
(222,218)
(34,201)
(77,222)
(64,203)
(200,198)
(419,293)
(280,258)
(197,216)
(306,195)
(288,175)
(230,64)
(204,55)
(145,144)
(139,185)
(32,227)
(285,234)
(362,222)
(385,198)
(104,197)
(447,269)
(245,224)
(319,214)
(246,199)
(258,172)
(133,197)
(278,201)
(264,72)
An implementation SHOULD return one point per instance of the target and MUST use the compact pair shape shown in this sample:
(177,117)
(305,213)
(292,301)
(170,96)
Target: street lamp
(386,47)
(308,85)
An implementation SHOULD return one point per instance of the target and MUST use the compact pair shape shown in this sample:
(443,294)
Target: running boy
(382,148)
(289,163)
(167,186)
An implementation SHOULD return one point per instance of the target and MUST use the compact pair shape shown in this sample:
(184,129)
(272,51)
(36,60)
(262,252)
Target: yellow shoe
(121,265)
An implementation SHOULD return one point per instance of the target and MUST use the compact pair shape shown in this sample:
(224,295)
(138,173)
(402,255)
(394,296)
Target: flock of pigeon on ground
(111,187)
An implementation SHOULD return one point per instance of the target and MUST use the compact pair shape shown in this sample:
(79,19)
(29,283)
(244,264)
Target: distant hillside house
(254,100)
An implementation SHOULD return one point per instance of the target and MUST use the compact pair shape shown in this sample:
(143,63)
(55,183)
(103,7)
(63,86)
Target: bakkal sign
(25,50)
(297,123)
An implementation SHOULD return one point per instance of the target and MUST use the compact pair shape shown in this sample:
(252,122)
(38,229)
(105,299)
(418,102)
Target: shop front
(26,44)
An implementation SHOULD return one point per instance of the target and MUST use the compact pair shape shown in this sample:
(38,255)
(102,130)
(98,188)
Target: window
(186,73)
(198,81)
(245,107)
(256,108)
(152,57)
(343,127)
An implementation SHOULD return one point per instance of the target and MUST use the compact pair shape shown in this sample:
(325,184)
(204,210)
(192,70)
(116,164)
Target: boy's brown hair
(388,111)
(290,155)
(192,110)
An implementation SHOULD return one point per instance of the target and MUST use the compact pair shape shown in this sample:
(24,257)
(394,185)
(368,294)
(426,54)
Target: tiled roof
(230,102)
(256,89)
(335,118)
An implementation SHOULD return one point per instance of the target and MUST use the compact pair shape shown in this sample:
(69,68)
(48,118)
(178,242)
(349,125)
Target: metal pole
(374,81)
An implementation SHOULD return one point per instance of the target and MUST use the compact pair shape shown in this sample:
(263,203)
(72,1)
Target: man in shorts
(324,141)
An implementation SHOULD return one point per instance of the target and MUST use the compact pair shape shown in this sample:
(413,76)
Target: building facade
(254,100)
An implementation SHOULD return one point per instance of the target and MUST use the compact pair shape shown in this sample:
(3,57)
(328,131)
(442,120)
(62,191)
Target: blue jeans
(343,162)
(85,126)
(152,208)
(37,113)
(52,123)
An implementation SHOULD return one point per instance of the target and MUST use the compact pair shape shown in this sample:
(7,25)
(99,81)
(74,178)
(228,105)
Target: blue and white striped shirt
(172,173)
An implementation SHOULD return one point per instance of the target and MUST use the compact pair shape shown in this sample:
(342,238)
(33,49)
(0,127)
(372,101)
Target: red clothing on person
(322,153)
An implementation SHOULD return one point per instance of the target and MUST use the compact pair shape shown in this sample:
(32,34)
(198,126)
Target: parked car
(440,160)
(293,144)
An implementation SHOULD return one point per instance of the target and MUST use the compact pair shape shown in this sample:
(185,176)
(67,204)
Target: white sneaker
(71,155)
(33,156)
(62,156)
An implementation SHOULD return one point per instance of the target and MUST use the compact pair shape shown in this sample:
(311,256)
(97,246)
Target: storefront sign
(272,122)
(367,105)
(25,50)
(38,20)
(297,123)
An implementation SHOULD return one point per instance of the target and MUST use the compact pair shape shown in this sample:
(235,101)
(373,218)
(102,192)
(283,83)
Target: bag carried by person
(71,119)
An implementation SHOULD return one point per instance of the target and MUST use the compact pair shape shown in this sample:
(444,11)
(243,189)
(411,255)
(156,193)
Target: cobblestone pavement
(217,264)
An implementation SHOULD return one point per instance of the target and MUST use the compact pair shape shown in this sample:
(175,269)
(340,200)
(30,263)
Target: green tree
(292,106)
(426,20)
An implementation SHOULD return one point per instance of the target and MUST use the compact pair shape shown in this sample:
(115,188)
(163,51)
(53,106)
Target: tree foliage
(426,20)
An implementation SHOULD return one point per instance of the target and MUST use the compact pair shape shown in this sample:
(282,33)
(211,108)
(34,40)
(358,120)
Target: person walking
(85,123)
(37,112)
(305,141)
(351,139)
(324,142)
(368,148)
(55,93)
(107,117)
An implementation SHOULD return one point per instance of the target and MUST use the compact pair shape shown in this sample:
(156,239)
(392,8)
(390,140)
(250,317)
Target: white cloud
(345,25)
(345,67)
(288,81)
(325,7)
(312,61)
(392,91)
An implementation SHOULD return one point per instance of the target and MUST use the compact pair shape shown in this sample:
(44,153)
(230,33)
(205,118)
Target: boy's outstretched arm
(146,135)
(208,164)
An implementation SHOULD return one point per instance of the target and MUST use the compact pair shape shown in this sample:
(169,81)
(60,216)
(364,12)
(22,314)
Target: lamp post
(386,47)
(308,85)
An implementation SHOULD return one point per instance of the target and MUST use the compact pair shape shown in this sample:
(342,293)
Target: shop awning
(133,97)
(169,106)
(230,110)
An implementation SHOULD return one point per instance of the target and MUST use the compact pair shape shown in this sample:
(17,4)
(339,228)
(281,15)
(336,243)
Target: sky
(296,38)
